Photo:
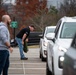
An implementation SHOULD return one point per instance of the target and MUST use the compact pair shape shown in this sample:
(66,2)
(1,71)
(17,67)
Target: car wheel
(40,55)
(48,72)
(42,58)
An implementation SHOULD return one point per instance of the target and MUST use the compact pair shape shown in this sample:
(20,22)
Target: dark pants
(4,62)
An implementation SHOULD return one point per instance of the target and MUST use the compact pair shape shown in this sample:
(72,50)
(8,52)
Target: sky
(54,3)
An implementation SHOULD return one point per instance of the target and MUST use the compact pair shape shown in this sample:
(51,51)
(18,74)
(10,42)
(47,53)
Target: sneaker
(25,58)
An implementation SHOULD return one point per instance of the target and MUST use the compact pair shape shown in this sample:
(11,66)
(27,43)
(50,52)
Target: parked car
(69,64)
(44,41)
(34,39)
(61,41)
(13,43)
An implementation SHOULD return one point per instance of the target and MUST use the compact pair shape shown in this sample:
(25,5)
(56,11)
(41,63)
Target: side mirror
(50,36)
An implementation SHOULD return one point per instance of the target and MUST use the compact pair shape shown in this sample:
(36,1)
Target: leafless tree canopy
(68,8)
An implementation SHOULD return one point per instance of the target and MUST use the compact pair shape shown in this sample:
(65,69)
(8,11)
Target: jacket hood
(2,24)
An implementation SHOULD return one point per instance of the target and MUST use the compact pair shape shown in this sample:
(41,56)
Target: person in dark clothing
(20,37)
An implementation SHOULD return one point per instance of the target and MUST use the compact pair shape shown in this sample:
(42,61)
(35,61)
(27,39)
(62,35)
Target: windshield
(68,30)
(50,30)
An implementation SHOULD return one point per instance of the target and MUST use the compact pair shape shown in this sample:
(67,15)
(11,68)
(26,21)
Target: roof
(50,26)
(69,19)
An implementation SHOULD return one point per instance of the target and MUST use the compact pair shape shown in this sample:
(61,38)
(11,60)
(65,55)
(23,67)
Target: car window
(74,42)
(68,30)
(50,30)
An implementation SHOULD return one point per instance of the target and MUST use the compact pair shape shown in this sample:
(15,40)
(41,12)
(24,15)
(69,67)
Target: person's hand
(26,40)
(11,49)
(23,42)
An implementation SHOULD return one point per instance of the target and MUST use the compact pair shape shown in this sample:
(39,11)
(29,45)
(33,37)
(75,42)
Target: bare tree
(2,11)
(28,9)
(69,8)
(44,18)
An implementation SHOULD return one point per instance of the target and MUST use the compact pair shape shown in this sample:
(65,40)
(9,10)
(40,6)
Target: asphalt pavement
(32,66)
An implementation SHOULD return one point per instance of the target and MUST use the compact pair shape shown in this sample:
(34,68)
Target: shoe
(25,58)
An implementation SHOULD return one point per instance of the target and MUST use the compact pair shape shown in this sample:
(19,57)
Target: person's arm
(5,39)
(27,40)
(9,46)
(24,36)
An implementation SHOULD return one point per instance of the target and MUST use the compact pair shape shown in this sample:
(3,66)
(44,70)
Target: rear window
(50,30)
(68,30)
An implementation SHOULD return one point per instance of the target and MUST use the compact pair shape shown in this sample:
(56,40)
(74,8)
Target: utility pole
(14,25)
(14,30)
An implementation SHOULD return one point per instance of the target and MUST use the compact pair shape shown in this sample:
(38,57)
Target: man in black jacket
(20,37)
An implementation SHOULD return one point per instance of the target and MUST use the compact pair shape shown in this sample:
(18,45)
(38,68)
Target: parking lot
(32,66)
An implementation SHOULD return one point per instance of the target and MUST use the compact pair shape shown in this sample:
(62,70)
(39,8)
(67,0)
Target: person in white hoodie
(4,45)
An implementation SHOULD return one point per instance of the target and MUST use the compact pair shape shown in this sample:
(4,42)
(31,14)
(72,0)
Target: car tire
(42,58)
(47,70)
(40,55)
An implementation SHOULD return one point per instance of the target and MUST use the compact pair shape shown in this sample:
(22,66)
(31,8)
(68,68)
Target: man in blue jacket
(4,44)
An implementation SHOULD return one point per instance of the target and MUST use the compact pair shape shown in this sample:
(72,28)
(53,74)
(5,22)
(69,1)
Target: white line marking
(24,68)
(27,68)
(16,68)
(27,63)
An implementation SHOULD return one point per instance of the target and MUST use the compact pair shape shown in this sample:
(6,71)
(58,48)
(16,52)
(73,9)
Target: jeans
(19,41)
(4,62)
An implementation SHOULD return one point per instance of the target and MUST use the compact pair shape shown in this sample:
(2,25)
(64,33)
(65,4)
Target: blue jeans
(19,41)
(4,62)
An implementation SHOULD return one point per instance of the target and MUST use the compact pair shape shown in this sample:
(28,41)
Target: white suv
(44,41)
(64,32)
